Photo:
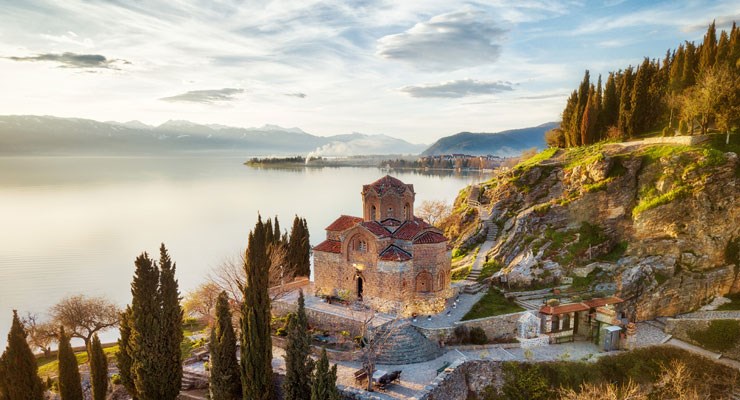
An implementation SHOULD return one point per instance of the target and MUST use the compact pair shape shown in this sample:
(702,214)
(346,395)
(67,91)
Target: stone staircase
(492,233)
(193,380)
(403,344)
(473,287)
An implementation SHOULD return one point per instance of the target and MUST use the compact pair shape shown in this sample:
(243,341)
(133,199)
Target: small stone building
(390,259)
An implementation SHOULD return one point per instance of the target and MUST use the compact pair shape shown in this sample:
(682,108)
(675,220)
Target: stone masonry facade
(389,258)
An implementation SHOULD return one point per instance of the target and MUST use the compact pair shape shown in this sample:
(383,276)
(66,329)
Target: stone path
(354,312)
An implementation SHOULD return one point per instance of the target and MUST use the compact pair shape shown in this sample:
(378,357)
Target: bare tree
(230,275)
(375,339)
(201,302)
(607,391)
(40,334)
(84,316)
(433,211)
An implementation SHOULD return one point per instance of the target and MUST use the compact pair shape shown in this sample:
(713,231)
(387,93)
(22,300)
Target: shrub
(732,252)
(115,379)
(721,335)
(462,334)
(478,335)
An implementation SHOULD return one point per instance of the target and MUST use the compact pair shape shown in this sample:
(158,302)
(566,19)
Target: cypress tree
(587,123)
(269,238)
(3,376)
(580,108)
(625,101)
(708,54)
(324,383)
(70,384)
(170,335)
(688,77)
(734,48)
(723,49)
(21,379)
(276,236)
(144,342)
(256,343)
(98,369)
(294,247)
(640,102)
(123,356)
(610,109)
(676,75)
(305,253)
(570,108)
(298,364)
(225,382)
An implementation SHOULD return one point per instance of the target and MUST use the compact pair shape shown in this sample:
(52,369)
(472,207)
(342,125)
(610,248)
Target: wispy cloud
(446,42)
(205,96)
(299,95)
(458,88)
(72,60)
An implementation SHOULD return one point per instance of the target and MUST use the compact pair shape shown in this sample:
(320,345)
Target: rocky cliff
(657,224)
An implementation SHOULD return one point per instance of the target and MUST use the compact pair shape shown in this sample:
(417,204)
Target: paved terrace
(456,307)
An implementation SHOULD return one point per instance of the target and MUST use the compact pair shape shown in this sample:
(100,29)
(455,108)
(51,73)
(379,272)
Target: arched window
(440,280)
(373,214)
(555,323)
(360,245)
(424,282)
(407,211)
(566,322)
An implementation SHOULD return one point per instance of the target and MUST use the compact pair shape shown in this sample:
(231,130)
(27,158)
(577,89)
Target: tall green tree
(570,109)
(98,369)
(256,343)
(610,109)
(20,379)
(305,254)
(324,382)
(625,101)
(708,54)
(688,77)
(640,100)
(144,343)
(277,235)
(170,335)
(225,383)
(298,364)
(3,375)
(70,384)
(124,359)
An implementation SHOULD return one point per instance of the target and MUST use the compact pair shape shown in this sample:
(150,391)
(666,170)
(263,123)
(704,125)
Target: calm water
(75,225)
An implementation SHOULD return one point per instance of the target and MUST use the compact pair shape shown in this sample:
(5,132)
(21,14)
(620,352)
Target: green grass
(616,253)
(652,201)
(49,366)
(597,186)
(583,283)
(586,155)
(492,303)
(536,159)
(460,273)
(721,335)
(489,268)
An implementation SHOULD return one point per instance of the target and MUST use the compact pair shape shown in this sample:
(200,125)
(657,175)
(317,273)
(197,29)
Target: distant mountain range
(503,144)
(45,135)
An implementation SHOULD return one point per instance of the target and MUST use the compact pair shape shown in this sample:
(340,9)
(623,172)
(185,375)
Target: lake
(75,225)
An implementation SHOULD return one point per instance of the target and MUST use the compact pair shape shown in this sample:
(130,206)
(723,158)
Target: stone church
(390,259)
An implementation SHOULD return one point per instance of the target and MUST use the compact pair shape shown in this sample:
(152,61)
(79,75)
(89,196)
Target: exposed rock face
(656,221)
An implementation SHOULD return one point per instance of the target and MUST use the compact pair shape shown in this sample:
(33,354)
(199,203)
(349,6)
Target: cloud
(205,96)
(299,95)
(722,22)
(446,42)
(458,88)
(72,60)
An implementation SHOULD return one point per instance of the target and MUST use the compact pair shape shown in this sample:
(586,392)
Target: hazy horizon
(416,71)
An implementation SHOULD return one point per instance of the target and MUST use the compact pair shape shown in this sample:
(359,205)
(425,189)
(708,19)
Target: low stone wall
(685,140)
(680,328)
(320,319)
(462,379)
(496,327)
(333,355)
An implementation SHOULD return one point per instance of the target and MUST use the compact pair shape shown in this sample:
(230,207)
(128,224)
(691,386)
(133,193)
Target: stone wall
(333,355)
(496,327)
(681,327)
(462,379)
(320,319)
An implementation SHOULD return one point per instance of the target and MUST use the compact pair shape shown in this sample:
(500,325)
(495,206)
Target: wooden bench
(564,339)
(361,374)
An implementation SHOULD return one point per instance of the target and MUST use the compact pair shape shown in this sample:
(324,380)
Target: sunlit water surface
(75,225)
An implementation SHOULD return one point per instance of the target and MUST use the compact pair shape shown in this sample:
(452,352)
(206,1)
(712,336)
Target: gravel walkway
(711,315)
(649,335)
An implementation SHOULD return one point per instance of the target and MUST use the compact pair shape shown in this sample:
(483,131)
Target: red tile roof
(343,223)
(594,303)
(394,253)
(564,308)
(329,246)
(386,184)
(408,230)
(390,222)
(430,237)
(376,229)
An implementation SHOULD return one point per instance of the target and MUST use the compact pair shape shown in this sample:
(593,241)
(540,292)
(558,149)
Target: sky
(417,70)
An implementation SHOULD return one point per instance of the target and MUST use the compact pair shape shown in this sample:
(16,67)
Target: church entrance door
(359,288)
